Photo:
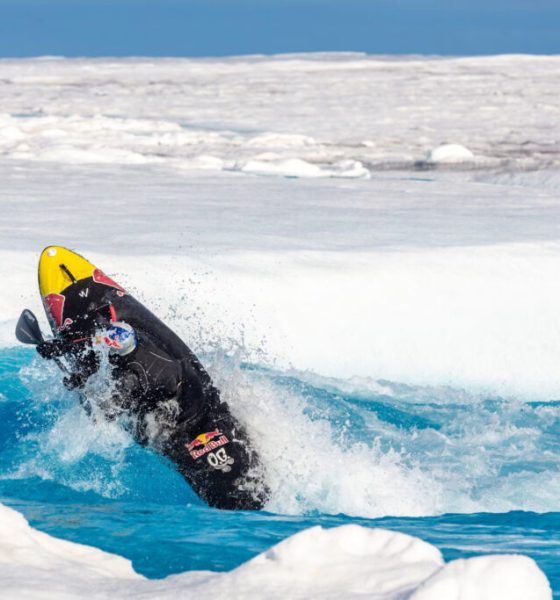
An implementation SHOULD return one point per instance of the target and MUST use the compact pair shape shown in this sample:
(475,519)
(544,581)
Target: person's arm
(83,359)
(126,389)
(56,348)
(53,348)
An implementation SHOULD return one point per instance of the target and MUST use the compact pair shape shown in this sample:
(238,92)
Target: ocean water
(471,474)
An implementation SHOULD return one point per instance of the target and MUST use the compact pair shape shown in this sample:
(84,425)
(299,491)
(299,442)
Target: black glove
(73,381)
(53,348)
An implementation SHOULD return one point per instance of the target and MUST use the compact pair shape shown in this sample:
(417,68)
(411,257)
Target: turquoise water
(486,469)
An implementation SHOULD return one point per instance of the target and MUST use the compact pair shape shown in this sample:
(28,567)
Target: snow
(351,560)
(36,565)
(293,167)
(450,153)
(485,578)
(319,109)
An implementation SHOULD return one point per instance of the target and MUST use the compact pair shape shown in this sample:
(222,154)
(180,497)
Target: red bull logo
(112,343)
(206,442)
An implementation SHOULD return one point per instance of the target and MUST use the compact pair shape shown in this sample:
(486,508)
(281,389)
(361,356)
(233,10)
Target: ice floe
(350,561)
(450,153)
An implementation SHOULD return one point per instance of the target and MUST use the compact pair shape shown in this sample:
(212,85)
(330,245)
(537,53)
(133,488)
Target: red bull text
(208,443)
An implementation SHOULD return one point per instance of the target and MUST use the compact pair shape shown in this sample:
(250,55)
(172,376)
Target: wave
(356,446)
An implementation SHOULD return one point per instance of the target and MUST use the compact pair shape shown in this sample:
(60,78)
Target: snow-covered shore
(350,561)
(301,115)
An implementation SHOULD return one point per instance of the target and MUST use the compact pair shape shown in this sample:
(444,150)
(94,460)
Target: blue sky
(224,27)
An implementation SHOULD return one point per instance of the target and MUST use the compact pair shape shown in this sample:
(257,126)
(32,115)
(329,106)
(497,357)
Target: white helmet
(120,337)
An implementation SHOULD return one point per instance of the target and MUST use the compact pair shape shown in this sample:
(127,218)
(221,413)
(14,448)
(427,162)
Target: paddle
(29,332)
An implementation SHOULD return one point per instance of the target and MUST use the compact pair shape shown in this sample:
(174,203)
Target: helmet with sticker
(119,337)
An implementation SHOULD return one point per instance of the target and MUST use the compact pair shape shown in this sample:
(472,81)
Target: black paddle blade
(27,328)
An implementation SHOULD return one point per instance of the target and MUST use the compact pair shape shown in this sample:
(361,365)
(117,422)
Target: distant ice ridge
(548,178)
(349,561)
(341,116)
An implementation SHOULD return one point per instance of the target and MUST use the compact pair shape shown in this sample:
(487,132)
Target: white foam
(307,460)
(351,560)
